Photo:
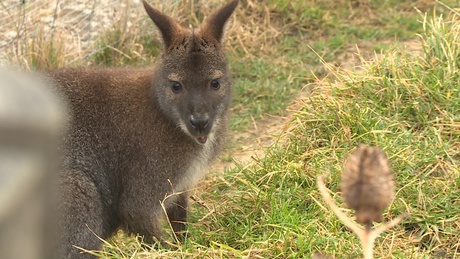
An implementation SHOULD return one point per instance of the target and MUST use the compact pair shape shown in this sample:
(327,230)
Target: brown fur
(132,140)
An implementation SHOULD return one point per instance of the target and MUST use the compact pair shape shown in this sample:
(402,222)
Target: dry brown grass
(47,40)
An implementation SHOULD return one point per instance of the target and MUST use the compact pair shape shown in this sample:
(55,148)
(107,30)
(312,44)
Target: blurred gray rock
(31,119)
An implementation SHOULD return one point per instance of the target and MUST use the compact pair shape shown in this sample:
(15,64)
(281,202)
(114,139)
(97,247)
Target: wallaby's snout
(199,122)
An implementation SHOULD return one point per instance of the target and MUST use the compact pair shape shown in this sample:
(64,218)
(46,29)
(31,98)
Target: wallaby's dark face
(191,84)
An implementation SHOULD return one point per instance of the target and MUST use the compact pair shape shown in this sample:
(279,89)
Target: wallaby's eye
(215,84)
(176,87)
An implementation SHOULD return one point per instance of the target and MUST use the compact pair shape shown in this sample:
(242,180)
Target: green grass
(282,64)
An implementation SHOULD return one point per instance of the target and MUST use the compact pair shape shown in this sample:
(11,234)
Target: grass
(407,103)
(45,53)
(280,64)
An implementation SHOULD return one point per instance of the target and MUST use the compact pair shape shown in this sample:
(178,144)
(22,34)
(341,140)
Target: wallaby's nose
(199,122)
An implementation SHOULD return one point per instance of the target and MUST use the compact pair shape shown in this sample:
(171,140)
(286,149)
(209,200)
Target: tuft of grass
(39,51)
(124,45)
(45,52)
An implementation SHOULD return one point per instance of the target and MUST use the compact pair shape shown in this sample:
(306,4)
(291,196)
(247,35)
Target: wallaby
(139,139)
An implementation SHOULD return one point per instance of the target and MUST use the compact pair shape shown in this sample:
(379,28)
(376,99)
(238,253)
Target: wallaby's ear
(169,28)
(213,26)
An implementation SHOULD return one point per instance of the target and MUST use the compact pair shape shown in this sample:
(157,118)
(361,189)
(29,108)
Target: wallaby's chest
(175,158)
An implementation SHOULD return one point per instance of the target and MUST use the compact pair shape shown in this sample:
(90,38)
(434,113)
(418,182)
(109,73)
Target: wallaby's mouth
(202,139)
(199,126)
